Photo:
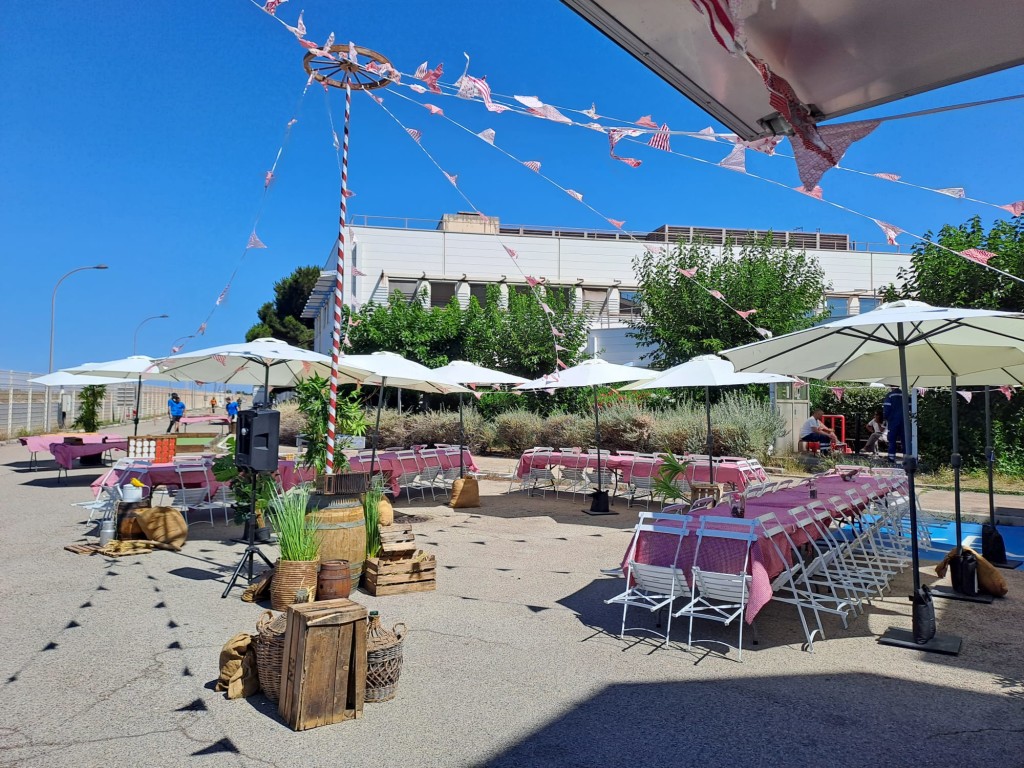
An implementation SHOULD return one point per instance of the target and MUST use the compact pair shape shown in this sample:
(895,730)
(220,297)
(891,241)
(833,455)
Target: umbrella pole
(599,500)
(462,440)
(955,462)
(993,548)
(376,429)
(710,441)
(923,635)
(138,404)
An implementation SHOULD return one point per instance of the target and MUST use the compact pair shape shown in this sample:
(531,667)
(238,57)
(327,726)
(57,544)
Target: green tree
(678,319)
(944,279)
(281,318)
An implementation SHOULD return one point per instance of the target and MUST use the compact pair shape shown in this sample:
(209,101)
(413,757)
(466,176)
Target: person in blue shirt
(175,410)
(232,409)
(892,410)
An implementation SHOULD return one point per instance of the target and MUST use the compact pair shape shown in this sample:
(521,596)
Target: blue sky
(138,135)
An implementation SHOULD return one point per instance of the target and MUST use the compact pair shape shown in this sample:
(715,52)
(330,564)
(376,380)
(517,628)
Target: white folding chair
(409,477)
(572,476)
(432,472)
(222,499)
(717,595)
(654,587)
(643,476)
(193,486)
(541,472)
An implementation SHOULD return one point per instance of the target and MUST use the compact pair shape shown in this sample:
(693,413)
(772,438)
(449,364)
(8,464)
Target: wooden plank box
(323,679)
(394,577)
(397,542)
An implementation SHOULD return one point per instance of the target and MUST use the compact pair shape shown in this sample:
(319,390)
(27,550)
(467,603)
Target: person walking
(175,410)
(232,409)
(892,410)
(213,404)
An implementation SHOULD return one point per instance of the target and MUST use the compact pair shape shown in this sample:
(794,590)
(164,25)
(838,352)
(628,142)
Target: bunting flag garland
(546,308)
(487,135)
(592,112)
(538,108)
(966,394)
(614,136)
(890,230)
(421,71)
(346,341)
(337,144)
(272,5)
(299,30)
(452,177)
(706,134)
(784,100)
(201,329)
(349,193)
(816,192)
(764,332)
(532,281)
(745,313)
(560,364)
(596,127)
(558,334)
(717,294)
(798,385)
(416,135)
(811,163)
(533,165)
(1007,391)
(325,52)
(575,194)
(176,350)
(616,223)
(765,146)
(222,359)
(646,122)
(417,88)
(434,110)
(660,140)
(978,255)
(887,176)
(687,272)
(957,192)
(223,295)
(736,159)
(1015,209)
(358,272)
(721,22)
(473,88)
(510,252)
(254,242)
(267,179)
(838,392)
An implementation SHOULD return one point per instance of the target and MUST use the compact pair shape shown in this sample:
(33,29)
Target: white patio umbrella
(68,378)
(592,373)
(136,367)
(463,372)
(821,351)
(706,371)
(388,369)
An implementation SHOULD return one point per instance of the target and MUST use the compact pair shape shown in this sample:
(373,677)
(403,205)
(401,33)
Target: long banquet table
(47,443)
(728,470)
(166,474)
(726,556)
(391,465)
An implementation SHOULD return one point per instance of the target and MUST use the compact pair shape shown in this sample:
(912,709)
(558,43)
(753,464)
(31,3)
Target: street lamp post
(135,337)
(53,316)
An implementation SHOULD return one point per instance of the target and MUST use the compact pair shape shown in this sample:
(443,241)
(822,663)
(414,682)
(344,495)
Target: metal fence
(23,405)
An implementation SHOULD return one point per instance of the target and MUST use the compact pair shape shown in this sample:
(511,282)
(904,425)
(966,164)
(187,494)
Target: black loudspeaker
(256,439)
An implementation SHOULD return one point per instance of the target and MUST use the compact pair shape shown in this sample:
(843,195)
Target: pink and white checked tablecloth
(726,555)
(730,471)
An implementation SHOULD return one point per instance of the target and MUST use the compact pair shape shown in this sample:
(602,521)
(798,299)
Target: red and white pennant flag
(646,122)
(890,230)
(533,165)
(416,135)
(978,255)
(1015,209)
(1007,391)
(660,140)
(254,242)
(510,252)
(575,194)
(966,394)
(487,135)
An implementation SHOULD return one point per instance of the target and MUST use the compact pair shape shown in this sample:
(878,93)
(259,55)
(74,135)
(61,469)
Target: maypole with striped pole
(339,68)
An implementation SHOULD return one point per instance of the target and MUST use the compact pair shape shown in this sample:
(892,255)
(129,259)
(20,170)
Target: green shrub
(567,430)
(291,423)
(517,430)
(626,425)
(394,429)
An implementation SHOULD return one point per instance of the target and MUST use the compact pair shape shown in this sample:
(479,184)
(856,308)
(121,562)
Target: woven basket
(270,652)
(383,660)
(289,577)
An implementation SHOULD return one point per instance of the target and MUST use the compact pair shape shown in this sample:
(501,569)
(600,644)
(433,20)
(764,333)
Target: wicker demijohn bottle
(383,659)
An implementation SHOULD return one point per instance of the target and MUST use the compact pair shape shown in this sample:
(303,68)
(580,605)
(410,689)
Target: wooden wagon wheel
(339,72)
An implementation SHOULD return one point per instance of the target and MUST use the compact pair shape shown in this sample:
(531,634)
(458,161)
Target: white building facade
(465,253)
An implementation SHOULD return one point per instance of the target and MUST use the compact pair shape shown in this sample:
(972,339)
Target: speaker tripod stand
(251,550)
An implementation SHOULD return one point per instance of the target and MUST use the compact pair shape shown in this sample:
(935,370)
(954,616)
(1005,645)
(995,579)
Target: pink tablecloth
(65,454)
(726,471)
(36,443)
(167,475)
(208,419)
(389,463)
(765,563)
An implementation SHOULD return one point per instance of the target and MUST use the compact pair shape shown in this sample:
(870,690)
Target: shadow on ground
(800,720)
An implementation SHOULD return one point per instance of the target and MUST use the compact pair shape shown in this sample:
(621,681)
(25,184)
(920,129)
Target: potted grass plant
(299,541)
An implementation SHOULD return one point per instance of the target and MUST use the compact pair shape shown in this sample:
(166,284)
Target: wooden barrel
(342,529)
(334,581)
(127,525)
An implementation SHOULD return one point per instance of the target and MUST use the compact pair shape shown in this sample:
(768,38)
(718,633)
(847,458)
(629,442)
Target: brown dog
(990,580)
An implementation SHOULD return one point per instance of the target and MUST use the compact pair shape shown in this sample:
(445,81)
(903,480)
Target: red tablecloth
(726,555)
(726,471)
(65,454)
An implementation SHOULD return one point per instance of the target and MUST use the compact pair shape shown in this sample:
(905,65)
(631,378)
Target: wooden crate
(157,448)
(397,542)
(394,577)
(194,442)
(323,679)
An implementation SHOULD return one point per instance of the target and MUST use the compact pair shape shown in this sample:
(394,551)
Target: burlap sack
(990,579)
(465,493)
(164,525)
(260,588)
(238,674)
(385,511)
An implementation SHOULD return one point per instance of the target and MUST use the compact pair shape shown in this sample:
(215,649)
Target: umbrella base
(1009,564)
(948,645)
(599,504)
(951,594)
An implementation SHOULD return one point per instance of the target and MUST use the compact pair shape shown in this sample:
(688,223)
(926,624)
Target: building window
(838,307)
(479,292)
(408,288)
(595,301)
(441,294)
(868,304)
(629,303)
(562,296)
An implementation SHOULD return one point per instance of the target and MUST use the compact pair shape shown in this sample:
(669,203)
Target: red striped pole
(339,288)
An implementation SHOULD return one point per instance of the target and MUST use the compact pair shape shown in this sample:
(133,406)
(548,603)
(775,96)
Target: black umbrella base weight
(1009,564)
(947,645)
(599,504)
(949,593)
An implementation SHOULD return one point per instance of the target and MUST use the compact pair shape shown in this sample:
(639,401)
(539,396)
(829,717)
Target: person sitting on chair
(816,434)
(876,430)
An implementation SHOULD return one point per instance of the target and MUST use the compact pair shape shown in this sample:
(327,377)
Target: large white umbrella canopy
(71,379)
(137,367)
(388,369)
(932,360)
(902,325)
(261,362)
(706,371)
(463,372)
(592,373)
